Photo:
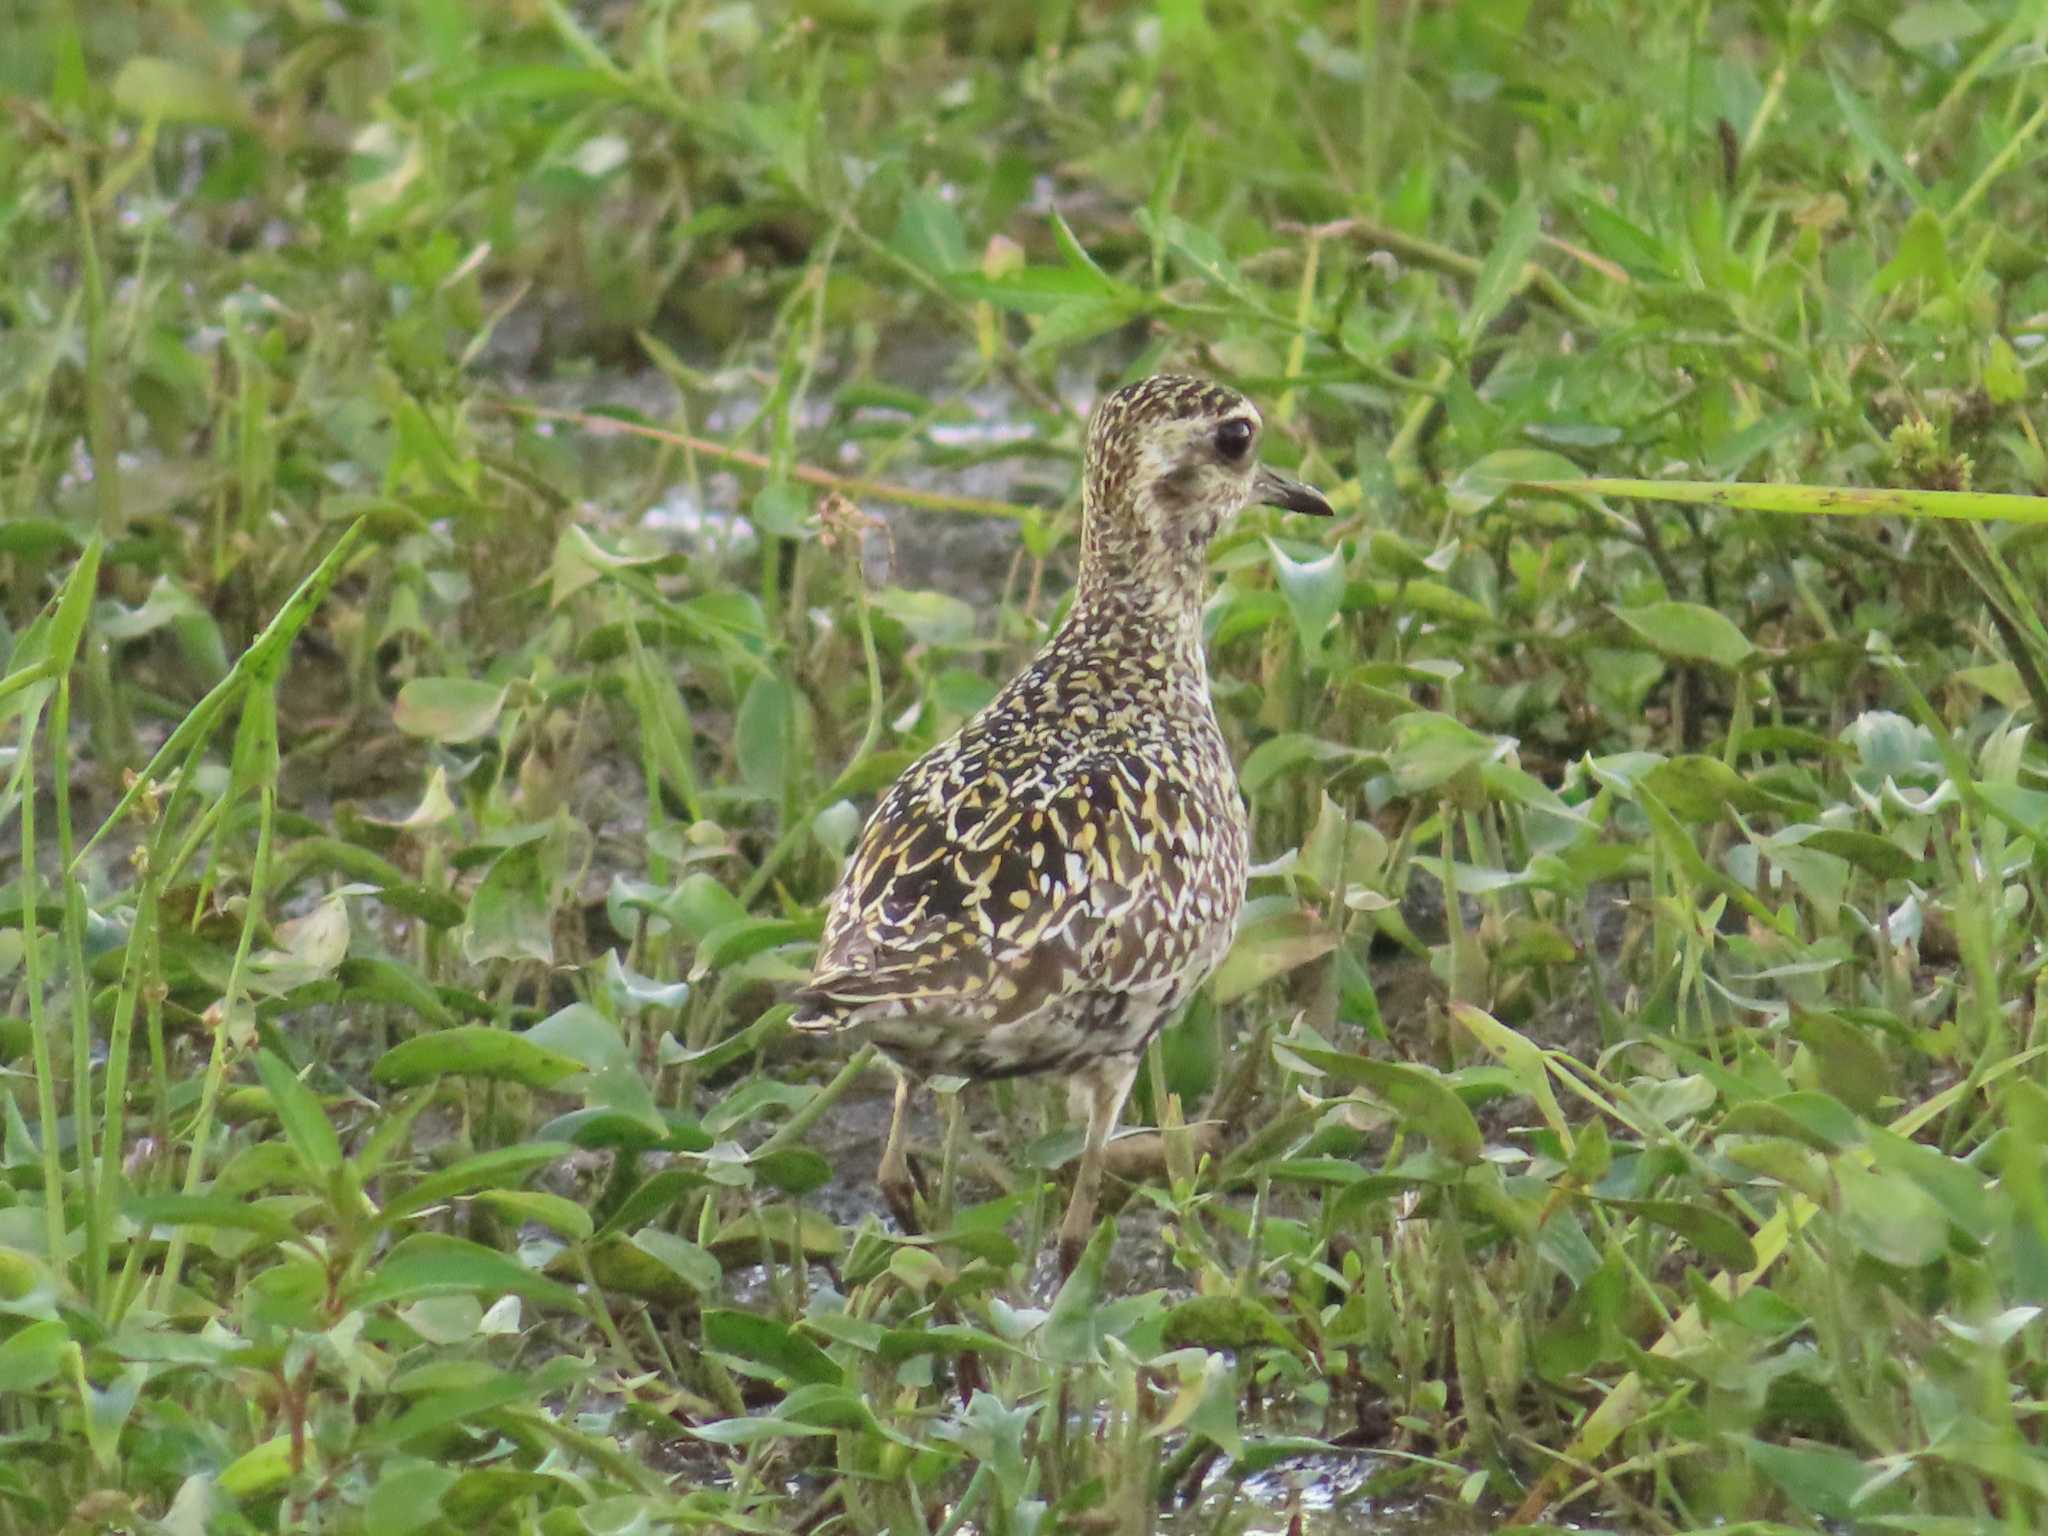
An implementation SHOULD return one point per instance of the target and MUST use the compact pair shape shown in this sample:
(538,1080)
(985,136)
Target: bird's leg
(1102,1089)
(898,1184)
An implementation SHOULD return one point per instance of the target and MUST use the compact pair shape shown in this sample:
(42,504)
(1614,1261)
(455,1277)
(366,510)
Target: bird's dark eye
(1234,437)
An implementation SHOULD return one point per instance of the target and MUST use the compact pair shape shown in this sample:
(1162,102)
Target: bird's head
(1170,460)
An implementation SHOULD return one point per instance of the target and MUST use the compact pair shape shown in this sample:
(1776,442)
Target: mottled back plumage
(1044,889)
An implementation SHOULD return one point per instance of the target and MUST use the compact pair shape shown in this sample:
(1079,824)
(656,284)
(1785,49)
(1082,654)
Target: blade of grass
(66,626)
(1808,500)
(264,658)
(2012,611)
(256,763)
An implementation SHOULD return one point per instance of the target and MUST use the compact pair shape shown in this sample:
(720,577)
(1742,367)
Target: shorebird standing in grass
(1042,892)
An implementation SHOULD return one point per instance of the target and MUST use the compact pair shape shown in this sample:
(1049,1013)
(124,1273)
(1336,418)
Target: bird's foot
(968,1378)
(1072,1246)
(902,1191)
(1143,1157)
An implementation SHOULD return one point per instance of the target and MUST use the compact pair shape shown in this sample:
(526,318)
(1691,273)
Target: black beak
(1273,489)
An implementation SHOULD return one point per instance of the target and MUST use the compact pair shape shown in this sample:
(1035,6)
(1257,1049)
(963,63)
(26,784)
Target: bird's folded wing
(986,911)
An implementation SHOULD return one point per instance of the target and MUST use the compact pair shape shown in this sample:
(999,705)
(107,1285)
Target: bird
(1044,890)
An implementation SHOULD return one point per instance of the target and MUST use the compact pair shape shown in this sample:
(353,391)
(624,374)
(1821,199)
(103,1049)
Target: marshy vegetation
(492,492)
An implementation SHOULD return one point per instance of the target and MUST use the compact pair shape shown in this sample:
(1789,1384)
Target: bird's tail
(836,1000)
(817,1014)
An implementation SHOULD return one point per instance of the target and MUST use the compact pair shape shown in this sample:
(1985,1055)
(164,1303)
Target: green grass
(1626,1100)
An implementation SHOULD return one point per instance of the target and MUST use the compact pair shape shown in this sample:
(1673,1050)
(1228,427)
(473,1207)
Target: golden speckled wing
(1002,880)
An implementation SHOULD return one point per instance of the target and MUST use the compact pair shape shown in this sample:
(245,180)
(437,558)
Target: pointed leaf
(1689,632)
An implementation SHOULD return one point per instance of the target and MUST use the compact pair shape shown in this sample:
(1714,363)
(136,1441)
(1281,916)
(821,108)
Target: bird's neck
(1160,622)
(1143,580)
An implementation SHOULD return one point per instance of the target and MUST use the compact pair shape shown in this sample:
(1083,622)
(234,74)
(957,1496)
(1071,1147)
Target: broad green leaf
(779,508)
(2024,810)
(2004,380)
(450,710)
(753,1336)
(474,1050)
(481,1492)
(1922,256)
(693,1265)
(754,1098)
(1429,748)
(899,1344)
(793,1170)
(511,916)
(653,1196)
(702,905)
(308,948)
(1890,1217)
(210,1211)
(432,1264)
(1287,752)
(732,943)
(1846,1059)
(38,537)
(1521,1056)
(500,1168)
(1874,855)
(1081,1317)
(1869,135)
(1819,1479)
(305,1123)
(751,1431)
(1818,1119)
(1931,23)
(1501,276)
(1202,250)
(1714,1235)
(1314,589)
(631,992)
(764,735)
(259,1470)
(1623,242)
(929,234)
(1689,632)
(935,618)
(580,1031)
(33,1356)
(555,1212)
(1437,600)
(631,1129)
(1697,788)
(407,1496)
(437,1409)
(1080,320)
(1269,947)
(1039,290)
(1972,1202)
(1076,256)
(164,90)
(749,1238)
(1419,1094)
(1480,484)
(2001,680)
